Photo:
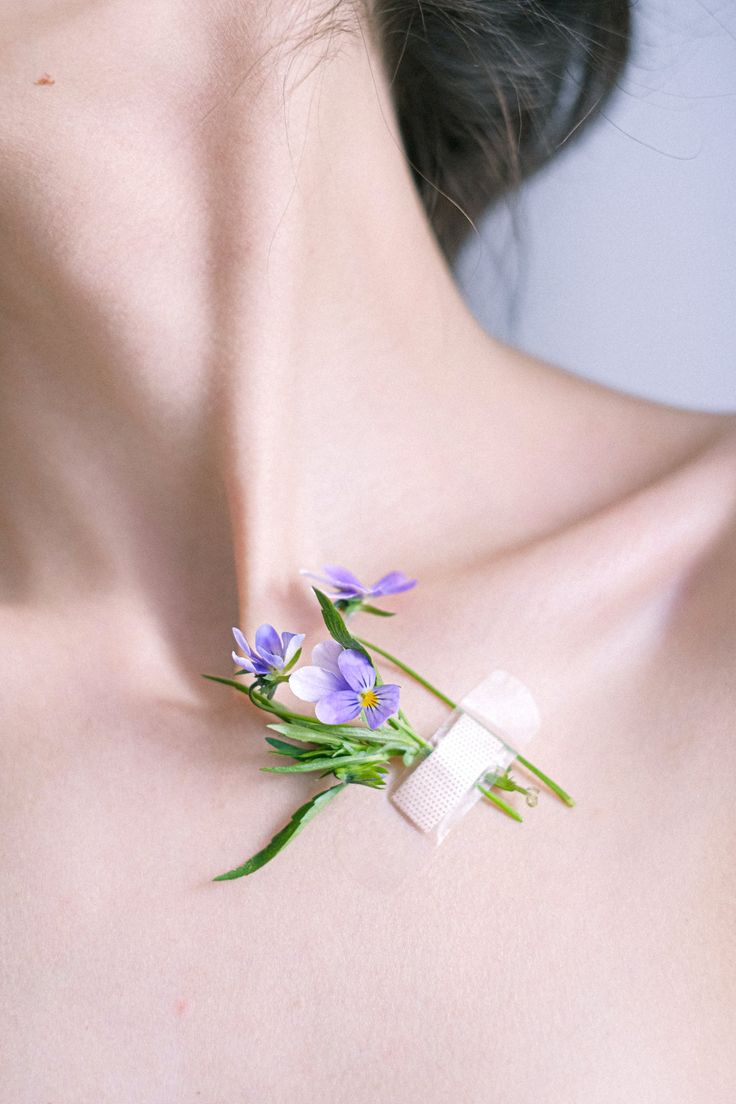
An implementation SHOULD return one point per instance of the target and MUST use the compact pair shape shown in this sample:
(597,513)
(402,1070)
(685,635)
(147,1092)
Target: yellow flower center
(368,699)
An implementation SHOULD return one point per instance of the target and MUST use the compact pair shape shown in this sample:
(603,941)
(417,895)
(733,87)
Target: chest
(585,954)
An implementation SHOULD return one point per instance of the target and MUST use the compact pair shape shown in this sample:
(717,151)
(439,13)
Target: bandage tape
(481,738)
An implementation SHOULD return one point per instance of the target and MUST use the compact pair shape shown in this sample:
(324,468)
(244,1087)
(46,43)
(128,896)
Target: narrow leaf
(338,733)
(336,627)
(376,611)
(332,764)
(283,748)
(306,735)
(301,817)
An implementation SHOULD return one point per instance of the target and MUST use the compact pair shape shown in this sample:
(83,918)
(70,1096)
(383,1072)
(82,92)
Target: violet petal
(292,642)
(246,664)
(393,583)
(312,683)
(388,704)
(268,642)
(338,708)
(242,642)
(325,655)
(358,671)
(342,578)
(262,666)
(315,575)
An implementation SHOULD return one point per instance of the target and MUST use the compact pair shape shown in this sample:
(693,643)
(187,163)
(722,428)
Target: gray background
(620,261)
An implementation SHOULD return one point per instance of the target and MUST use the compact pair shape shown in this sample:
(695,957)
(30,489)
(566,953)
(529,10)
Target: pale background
(624,264)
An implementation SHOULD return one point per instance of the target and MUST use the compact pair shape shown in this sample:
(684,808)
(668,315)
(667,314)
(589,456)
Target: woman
(233,348)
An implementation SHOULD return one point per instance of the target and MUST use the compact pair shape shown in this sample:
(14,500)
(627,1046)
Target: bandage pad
(466,753)
(480,740)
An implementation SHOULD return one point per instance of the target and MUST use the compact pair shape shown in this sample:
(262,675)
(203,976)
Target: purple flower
(343,682)
(347,586)
(272,653)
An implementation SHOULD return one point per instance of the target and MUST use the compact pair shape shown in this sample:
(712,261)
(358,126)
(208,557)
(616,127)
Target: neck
(224,305)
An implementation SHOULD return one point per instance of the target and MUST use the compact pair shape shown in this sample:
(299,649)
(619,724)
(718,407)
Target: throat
(219,324)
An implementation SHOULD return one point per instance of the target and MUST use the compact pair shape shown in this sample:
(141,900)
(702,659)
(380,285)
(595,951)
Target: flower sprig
(349,594)
(358,726)
(272,658)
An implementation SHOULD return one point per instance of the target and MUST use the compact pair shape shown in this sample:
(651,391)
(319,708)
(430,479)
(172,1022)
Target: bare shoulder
(707,610)
(663,521)
(684,493)
(593,446)
(645,438)
(690,526)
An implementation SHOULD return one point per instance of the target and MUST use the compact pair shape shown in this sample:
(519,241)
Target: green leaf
(282,748)
(332,764)
(311,725)
(335,736)
(306,735)
(301,817)
(362,775)
(376,611)
(336,627)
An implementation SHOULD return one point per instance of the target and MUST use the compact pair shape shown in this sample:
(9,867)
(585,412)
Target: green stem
(500,803)
(401,724)
(409,671)
(453,705)
(270,706)
(547,781)
(260,701)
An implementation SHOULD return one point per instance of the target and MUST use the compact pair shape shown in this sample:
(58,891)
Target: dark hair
(486,91)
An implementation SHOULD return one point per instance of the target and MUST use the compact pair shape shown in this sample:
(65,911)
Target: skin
(230,349)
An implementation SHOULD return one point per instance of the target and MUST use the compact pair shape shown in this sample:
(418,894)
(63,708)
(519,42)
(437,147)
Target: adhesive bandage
(480,739)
